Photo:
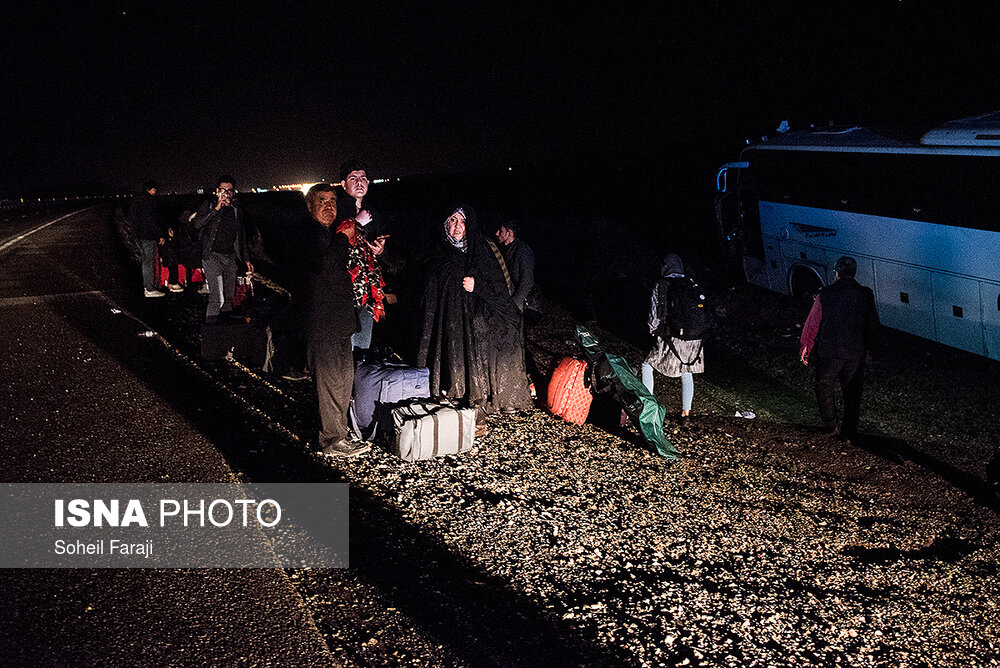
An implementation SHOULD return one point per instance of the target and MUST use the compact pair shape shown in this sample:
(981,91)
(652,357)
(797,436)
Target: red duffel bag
(569,396)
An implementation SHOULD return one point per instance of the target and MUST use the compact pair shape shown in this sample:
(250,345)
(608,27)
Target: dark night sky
(114,94)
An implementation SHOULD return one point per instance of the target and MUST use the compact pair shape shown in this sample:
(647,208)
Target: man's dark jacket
(521,265)
(143,217)
(329,298)
(849,322)
(207,222)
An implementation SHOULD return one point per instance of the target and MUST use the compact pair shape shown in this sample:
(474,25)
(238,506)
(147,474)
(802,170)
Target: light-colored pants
(363,338)
(687,385)
(220,277)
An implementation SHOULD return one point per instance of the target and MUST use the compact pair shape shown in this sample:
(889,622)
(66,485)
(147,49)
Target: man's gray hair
(316,190)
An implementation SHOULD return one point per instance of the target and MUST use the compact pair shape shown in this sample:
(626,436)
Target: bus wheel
(804,282)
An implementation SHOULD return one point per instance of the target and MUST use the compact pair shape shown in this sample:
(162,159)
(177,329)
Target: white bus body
(921,218)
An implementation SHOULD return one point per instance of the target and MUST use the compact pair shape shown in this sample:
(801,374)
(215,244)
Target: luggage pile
(574,381)
(612,374)
(245,334)
(391,405)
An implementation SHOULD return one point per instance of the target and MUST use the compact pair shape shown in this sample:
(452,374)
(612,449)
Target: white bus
(921,217)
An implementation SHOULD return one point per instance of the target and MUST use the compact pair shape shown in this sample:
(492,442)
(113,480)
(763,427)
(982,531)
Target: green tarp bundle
(612,371)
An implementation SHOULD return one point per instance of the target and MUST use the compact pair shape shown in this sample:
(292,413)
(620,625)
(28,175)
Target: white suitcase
(423,430)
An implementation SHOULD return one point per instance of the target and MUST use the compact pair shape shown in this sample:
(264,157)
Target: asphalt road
(87,398)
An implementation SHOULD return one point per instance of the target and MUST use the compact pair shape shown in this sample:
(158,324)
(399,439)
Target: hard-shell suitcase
(422,430)
(569,396)
(384,383)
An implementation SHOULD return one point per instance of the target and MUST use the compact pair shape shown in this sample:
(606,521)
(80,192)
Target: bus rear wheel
(804,282)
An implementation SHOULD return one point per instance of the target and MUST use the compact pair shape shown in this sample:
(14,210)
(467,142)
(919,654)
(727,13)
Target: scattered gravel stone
(766,543)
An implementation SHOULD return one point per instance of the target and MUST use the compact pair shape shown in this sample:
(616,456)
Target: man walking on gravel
(837,336)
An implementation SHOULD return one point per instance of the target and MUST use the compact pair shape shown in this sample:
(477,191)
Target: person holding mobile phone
(352,204)
(223,228)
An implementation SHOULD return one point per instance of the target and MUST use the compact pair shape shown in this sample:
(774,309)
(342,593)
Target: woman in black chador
(471,338)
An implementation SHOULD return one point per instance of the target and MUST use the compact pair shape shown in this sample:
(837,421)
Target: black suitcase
(246,339)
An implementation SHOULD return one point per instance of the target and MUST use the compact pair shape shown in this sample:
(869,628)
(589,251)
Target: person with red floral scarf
(352,202)
(362,264)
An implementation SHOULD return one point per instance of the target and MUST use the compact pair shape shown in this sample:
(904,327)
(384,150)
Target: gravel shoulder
(767,543)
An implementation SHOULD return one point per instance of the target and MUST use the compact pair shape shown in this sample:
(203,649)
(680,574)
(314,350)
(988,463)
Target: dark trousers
(332,362)
(148,248)
(849,373)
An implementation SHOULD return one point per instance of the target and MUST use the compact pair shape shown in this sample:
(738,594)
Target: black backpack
(684,310)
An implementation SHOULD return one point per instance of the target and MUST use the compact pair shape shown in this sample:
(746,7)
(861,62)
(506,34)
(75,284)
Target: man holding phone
(222,226)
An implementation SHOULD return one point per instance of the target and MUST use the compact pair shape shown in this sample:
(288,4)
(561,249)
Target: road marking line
(22,237)
(32,300)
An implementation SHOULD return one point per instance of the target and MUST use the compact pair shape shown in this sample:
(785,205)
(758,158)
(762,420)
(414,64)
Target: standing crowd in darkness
(470,316)
(470,321)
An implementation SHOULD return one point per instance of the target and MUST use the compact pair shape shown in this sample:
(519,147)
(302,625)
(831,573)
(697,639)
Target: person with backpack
(679,319)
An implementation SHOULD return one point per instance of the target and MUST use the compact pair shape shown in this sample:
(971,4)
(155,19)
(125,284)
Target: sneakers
(292,374)
(346,448)
(203,290)
(153,293)
(174,287)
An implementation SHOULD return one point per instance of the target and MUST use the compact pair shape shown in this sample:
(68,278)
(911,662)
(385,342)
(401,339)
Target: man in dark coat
(144,219)
(520,262)
(521,266)
(330,320)
(223,230)
(471,337)
(837,336)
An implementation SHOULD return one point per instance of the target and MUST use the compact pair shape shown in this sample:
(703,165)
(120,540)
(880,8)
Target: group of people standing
(214,239)
(471,334)
(470,319)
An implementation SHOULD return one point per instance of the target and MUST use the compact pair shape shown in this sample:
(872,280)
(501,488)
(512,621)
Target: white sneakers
(175,287)
(153,293)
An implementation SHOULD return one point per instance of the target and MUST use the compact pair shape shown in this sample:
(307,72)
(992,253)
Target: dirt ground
(766,543)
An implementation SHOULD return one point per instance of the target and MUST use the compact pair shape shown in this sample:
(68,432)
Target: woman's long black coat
(473,343)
